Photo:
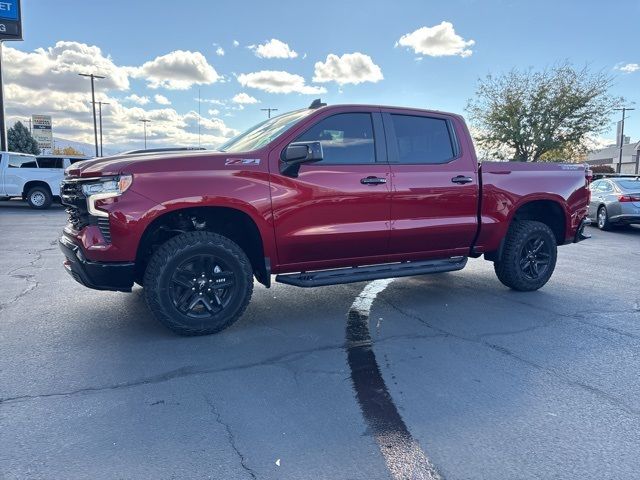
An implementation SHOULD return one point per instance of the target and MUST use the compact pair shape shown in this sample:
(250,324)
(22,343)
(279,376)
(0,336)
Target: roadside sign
(10,20)
(41,130)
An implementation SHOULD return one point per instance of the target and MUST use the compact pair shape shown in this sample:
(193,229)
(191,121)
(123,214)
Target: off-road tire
(508,268)
(168,258)
(39,198)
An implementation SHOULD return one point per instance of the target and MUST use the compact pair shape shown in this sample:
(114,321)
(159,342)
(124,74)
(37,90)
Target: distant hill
(88,149)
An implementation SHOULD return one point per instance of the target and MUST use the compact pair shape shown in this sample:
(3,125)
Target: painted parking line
(402,453)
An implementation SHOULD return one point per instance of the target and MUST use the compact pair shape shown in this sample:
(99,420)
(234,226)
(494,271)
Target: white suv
(34,179)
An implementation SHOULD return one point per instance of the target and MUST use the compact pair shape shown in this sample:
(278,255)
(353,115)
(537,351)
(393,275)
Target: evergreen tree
(20,140)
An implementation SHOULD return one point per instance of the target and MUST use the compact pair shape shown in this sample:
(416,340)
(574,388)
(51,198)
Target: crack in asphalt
(505,351)
(230,437)
(282,360)
(28,277)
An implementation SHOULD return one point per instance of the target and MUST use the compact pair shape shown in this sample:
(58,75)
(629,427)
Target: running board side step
(372,272)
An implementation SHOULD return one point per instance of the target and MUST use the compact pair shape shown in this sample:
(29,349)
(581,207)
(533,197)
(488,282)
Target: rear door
(435,185)
(336,211)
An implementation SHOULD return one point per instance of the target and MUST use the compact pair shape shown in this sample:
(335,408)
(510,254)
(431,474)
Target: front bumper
(116,276)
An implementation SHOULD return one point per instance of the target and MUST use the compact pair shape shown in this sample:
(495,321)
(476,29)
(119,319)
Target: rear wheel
(603,219)
(529,256)
(39,198)
(198,283)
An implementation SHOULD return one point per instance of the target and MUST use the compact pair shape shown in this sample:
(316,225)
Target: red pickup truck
(319,196)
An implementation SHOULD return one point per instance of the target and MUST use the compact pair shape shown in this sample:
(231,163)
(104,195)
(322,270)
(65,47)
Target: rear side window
(422,139)
(346,138)
(50,162)
(630,185)
(18,161)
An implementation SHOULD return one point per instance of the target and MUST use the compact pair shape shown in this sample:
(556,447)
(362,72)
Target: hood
(117,164)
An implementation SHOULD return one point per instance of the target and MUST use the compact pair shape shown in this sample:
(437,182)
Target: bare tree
(531,116)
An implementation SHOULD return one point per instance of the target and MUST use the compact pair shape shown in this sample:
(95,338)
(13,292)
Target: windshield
(629,184)
(262,133)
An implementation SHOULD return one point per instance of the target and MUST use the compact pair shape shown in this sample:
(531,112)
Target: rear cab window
(422,139)
(50,162)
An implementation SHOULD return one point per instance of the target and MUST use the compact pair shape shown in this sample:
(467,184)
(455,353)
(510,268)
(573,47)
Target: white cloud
(214,112)
(437,41)
(274,48)
(629,67)
(57,68)
(46,81)
(220,51)
(236,43)
(178,70)
(137,99)
(161,100)
(349,68)
(244,98)
(274,81)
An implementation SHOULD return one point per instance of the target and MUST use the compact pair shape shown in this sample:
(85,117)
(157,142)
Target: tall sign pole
(10,29)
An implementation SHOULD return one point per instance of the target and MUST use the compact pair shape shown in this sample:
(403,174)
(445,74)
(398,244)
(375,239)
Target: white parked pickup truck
(34,179)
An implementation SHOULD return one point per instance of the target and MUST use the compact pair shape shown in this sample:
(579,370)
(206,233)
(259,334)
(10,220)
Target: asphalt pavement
(474,381)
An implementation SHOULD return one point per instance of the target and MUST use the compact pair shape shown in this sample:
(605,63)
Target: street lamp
(269,110)
(144,122)
(93,102)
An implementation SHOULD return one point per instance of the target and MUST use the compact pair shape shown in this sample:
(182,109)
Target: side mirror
(297,153)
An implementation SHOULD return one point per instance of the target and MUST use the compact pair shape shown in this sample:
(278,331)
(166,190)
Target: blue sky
(506,34)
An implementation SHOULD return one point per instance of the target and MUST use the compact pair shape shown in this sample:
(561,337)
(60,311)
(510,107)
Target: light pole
(144,122)
(93,102)
(100,116)
(269,110)
(623,110)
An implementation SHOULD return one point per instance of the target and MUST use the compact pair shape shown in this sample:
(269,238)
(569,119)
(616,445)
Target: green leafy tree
(20,140)
(535,116)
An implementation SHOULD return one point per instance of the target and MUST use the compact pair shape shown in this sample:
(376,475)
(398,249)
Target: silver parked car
(615,201)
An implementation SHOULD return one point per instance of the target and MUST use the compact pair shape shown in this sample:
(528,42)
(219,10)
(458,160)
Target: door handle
(371,180)
(461,179)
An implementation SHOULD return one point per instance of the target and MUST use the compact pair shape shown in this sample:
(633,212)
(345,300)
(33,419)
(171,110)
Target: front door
(336,211)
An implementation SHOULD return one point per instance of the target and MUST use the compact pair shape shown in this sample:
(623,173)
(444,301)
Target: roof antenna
(317,103)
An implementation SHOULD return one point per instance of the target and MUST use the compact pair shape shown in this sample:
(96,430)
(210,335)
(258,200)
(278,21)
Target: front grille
(103,225)
(78,216)
(72,197)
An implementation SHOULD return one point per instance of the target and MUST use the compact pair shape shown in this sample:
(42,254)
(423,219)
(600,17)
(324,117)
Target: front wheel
(198,283)
(529,256)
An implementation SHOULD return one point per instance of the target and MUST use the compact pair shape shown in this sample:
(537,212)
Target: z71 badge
(242,161)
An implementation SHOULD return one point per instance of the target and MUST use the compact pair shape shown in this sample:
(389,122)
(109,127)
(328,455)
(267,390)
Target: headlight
(117,186)
(107,188)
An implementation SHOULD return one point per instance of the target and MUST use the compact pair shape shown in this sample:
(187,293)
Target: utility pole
(269,110)
(93,102)
(144,122)
(623,110)
(4,146)
(100,117)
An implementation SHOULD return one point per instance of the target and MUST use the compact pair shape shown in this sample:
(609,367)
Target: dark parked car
(615,201)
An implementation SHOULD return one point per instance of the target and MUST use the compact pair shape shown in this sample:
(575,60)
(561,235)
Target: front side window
(422,139)
(18,161)
(346,138)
